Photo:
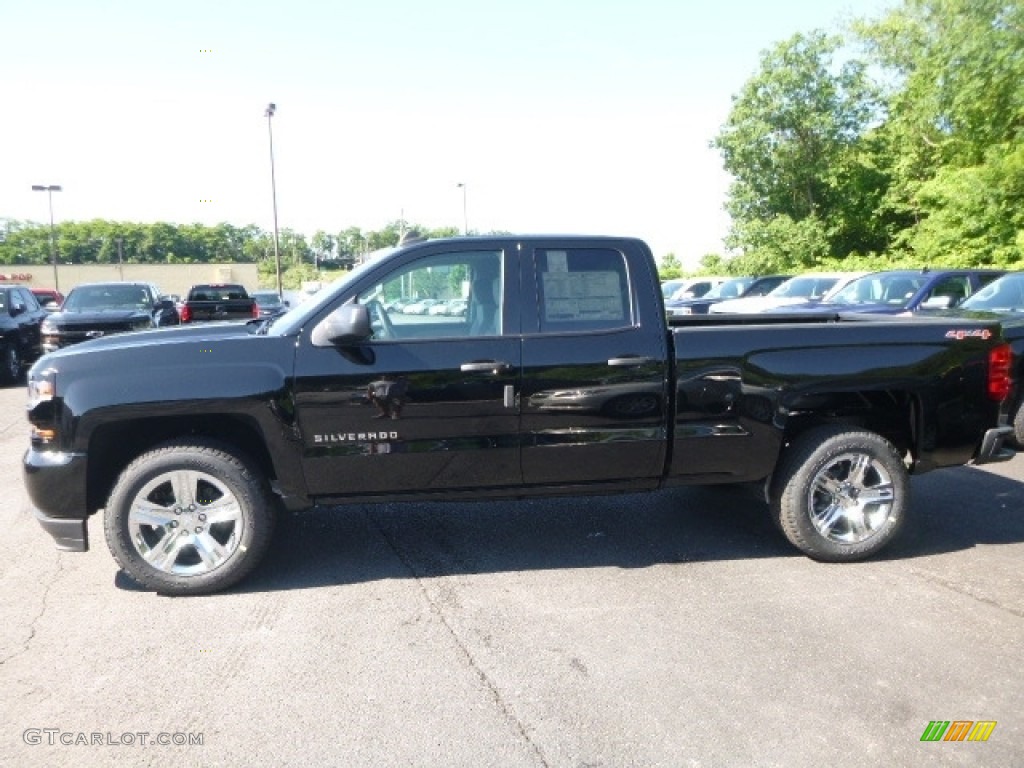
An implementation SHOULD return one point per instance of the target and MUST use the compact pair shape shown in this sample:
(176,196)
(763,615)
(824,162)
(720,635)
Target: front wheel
(189,518)
(840,494)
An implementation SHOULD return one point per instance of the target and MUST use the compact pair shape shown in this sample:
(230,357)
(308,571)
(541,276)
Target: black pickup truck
(561,377)
(218,301)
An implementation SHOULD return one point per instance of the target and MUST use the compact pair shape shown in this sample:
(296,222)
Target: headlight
(42,387)
(48,327)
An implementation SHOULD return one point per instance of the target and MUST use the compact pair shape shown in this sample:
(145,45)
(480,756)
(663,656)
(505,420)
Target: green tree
(780,244)
(715,264)
(669,268)
(955,118)
(793,143)
(322,245)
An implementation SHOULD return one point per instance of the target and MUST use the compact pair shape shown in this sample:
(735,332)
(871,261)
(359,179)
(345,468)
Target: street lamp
(49,189)
(465,221)
(269,113)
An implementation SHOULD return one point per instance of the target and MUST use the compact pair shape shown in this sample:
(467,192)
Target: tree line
(111,242)
(898,140)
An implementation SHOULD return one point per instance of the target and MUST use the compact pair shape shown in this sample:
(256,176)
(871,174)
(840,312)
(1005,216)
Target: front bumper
(992,448)
(69,534)
(56,484)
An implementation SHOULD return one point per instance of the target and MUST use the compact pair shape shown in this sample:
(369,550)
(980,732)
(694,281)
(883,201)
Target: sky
(556,116)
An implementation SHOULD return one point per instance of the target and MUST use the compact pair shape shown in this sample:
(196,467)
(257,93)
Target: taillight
(185,315)
(1000,360)
(255,309)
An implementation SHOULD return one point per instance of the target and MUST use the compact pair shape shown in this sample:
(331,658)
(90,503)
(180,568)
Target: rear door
(429,403)
(595,371)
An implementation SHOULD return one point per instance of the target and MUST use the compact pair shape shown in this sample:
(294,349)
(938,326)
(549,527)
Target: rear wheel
(189,518)
(840,494)
(1018,426)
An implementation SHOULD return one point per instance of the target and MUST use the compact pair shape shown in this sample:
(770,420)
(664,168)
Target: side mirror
(348,324)
(938,302)
(17,309)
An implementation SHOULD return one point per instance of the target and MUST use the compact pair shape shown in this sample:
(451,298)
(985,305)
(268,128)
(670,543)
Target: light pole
(465,220)
(49,189)
(269,113)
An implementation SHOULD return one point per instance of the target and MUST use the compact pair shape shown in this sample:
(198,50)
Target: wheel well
(891,414)
(112,447)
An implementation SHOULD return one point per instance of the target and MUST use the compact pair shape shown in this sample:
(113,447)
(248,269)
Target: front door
(429,403)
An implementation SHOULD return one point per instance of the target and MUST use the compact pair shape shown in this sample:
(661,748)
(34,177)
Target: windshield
(103,297)
(293,320)
(807,287)
(1003,295)
(730,289)
(669,287)
(896,288)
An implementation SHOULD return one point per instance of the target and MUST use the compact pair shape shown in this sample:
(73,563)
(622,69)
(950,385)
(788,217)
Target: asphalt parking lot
(671,629)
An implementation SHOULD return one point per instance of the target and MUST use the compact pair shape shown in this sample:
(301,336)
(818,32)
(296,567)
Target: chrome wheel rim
(185,523)
(851,498)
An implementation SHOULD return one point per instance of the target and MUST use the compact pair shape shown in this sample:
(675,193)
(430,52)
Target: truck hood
(98,318)
(159,336)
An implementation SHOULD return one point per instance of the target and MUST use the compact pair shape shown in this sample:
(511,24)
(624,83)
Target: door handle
(627,360)
(484,366)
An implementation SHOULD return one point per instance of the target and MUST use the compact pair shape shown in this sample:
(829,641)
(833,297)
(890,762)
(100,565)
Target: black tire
(1018,426)
(160,518)
(11,364)
(840,494)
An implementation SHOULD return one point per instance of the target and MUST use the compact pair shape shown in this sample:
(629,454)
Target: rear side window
(585,289)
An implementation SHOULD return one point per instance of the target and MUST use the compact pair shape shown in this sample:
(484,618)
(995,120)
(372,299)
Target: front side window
(953,289)
(439,296)
(585,289)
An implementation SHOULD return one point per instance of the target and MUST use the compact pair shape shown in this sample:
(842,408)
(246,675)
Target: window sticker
(582,296)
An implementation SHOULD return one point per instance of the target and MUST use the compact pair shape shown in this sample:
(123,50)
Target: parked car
(218,301)
(92,310)
(1005,294)
(695,287)
(813,286)
(669,287)
(441,308)
(419,307)
(736,288)
(901,291)
(20,319)
(269,303)
(48,298)
(457,308)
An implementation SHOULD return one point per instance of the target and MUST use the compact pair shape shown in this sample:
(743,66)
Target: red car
(48,298)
